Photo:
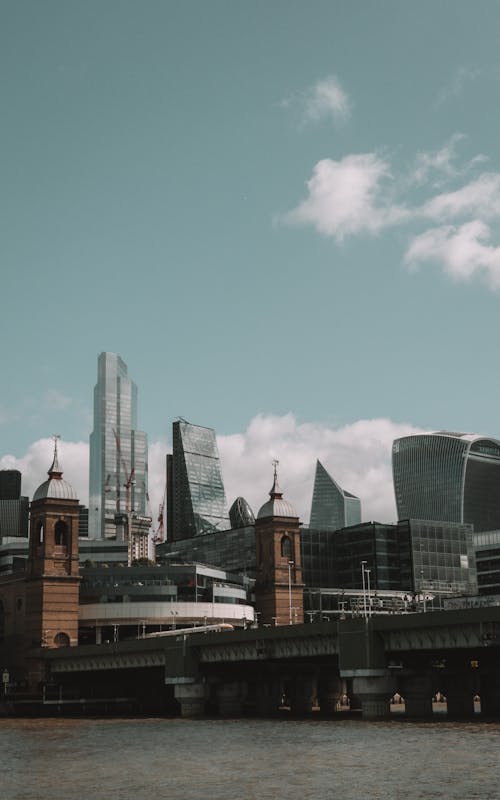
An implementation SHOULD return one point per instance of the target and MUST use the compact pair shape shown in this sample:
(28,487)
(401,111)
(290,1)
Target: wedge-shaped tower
(196,500)
(332,507)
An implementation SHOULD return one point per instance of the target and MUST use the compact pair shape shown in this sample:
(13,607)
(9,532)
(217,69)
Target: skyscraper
(332,507)
(196,500)
(118,451)
(448,477)
(13,507)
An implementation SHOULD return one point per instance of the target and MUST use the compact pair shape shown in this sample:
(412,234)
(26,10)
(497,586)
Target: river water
(249,759)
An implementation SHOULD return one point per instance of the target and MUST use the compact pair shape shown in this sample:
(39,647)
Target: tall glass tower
(332,507)
(449,477)
(196,500)
(118,451)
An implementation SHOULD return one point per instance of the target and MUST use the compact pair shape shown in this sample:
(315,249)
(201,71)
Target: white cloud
(480,197)
(357,455)
(326,99)
(73,458)
(463,251)
(439,163)
(358,195)
(349,196)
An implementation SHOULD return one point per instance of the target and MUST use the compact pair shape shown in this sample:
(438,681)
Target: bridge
(456,653)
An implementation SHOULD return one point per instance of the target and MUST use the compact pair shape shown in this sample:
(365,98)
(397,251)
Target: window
(286,547)
(61,533)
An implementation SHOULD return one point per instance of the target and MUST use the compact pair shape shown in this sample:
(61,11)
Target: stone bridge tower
(52,579)
(279,591)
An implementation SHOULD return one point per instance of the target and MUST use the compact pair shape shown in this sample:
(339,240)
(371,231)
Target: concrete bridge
(456,653)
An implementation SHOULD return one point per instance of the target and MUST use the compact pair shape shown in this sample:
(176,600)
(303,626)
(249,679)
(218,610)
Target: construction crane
(159,534)
(129,481)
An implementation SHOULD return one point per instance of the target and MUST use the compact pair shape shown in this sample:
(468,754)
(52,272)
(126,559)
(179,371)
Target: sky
(284,216)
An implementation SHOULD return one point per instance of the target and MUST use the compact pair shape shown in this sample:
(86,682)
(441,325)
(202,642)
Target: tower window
(286,547)
(61,533)
(39,532)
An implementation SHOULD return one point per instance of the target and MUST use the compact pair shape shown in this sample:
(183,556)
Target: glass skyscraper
(448,477)
(118,451)
(196,500)
(332,507)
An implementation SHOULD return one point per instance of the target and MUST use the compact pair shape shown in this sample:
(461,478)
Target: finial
(55,471)
(275,491)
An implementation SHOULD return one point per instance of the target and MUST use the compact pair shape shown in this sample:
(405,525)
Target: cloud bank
(361,194)
(357,455)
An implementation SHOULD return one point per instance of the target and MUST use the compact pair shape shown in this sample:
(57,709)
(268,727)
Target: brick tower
(279,591)
(52,579)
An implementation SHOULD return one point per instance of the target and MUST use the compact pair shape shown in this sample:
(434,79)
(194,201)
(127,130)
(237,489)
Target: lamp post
(363,569)
(367,573)
(290,565)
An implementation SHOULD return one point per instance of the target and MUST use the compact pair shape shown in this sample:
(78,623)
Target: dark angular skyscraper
(196,501)
(332,507)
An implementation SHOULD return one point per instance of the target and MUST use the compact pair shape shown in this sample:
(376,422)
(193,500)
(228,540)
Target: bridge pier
(330,691)
(303,694)
(460,694)
(490,694)
(230,698)
(375,692)
(191,698)
(268,694)
(417,691)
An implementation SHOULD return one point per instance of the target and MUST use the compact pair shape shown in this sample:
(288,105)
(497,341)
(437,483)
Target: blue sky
(272,210)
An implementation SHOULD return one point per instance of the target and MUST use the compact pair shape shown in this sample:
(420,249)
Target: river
(249,759)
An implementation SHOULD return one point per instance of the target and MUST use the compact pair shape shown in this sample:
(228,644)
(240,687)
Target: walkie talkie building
(449,477)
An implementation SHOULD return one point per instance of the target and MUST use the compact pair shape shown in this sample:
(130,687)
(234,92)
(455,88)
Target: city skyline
(191,184)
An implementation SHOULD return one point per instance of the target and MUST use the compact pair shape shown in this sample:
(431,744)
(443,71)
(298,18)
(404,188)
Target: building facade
(332,507)
(196,500)
(118,478)
(14,509)
(450,477)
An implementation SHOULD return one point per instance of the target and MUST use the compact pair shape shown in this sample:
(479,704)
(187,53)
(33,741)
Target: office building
(448,477)
(487,550)
(13,507)
(332,507)
(196,500)
(442,555)
(118,480)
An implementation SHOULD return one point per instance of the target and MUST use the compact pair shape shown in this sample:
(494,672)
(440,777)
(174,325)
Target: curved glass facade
(449,477)
(240,514)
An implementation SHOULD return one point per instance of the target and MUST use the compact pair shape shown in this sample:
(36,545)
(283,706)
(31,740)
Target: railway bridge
(454,653)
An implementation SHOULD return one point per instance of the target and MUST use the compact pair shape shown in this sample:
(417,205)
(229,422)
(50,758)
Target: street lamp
(367,573)
(290,565)
(363,570)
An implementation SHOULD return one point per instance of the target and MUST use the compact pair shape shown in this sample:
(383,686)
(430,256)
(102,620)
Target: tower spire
(275,493)
(54,470)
